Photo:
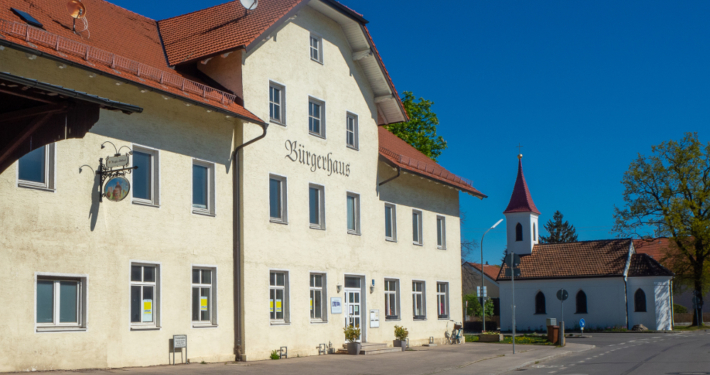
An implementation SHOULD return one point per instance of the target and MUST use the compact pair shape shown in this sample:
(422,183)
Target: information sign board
(336,305)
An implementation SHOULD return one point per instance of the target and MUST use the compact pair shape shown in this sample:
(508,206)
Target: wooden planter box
(490,338)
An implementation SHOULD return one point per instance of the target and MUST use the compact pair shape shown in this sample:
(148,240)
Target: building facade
(243,239)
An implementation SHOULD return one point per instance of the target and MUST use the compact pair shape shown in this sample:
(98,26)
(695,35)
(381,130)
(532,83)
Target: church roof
(644,265)
(574,260)
(655,247)
(521,200)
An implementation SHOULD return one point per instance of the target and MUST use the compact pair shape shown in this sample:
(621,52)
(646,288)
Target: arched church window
(640,301)
(519,232)
(539,302)
(581,302)
(534,233)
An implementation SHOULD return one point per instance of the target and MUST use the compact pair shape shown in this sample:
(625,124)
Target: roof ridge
(568,243)
(130,11)
(196,11)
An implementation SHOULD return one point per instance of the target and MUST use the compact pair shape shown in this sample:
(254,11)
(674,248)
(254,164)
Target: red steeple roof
(521,200)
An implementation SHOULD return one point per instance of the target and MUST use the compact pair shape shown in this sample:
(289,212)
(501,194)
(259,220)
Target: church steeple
(521,216)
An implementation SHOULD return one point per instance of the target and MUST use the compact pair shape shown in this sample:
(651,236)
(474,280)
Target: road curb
(549,357)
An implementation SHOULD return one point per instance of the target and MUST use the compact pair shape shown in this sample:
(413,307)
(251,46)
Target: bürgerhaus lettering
(298,153)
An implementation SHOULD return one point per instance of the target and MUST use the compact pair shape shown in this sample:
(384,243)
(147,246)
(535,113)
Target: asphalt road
(633,353)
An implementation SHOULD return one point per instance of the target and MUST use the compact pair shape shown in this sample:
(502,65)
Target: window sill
(319,322)
(440,248)
(419,319)
(60,329)
(278,221)
(145,203)
(353,148)
(280,323)
(417,244)
(275,122)
(318,61)
(392,319)
(203,213)
(145,328)
(316,227)
(205,326)
(390,240)
(540,313)
(317,135)
(35,187)
(444,318)
(354,233)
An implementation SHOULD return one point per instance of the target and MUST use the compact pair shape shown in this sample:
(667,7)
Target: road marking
(552,372)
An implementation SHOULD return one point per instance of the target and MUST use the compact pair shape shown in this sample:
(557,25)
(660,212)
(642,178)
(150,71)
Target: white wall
(605,302)
(658,304)
(527,220)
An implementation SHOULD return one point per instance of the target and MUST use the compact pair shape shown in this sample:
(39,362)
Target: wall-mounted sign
(336,305)
(374,318)
(297,153)
(117,188)
(117,161)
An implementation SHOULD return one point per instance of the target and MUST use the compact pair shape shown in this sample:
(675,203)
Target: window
(316,117)
(277,103)
(518,232)
(417,227)
(391,299)
(351,131)
(316,206)
(390,222)
(353,212)
(441,232)
(640,301)
(534,233)
(277,199)
(319,306)
(203,188)
(61,303)
(144,295)
(203,296)
(539,303)
(36,169)
(145,179)
(581,302)
(419,299)
(278,297)
(316,48)
(442,300)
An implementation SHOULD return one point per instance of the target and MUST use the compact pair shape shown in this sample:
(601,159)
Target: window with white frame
(36,169)
(419,299)
(316,117)
(441,232)
(442,300)
(145,186)
(60,302)
(144,295)
(203,188)
(316,48)
(391,299)
(277,199)
(416,227)
(316,206)
(390,222)
(353,213)
(351,131)
(278,296)
(277,103)
(319,306)
(204,292)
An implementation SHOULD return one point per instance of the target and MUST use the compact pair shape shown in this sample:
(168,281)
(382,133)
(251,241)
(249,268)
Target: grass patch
(691,328)
(519,339)
(471,338)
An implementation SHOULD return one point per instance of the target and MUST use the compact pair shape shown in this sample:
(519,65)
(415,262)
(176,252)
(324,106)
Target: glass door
(353,311)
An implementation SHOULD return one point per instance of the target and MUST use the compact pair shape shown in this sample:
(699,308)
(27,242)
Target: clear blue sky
(584,86)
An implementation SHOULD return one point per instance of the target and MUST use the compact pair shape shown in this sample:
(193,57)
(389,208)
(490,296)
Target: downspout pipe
(237,238)
(399,172)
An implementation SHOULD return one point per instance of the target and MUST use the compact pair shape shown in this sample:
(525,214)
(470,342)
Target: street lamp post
(483,302)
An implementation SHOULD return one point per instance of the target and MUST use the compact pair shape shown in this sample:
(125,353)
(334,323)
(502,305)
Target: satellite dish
(76,9)
(249,4)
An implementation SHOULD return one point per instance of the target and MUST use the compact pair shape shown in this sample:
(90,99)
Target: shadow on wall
(95,204)
(417,192)
(663,307)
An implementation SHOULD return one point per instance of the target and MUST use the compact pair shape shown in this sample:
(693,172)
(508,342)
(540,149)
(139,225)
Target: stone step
(381,351)
(368,345)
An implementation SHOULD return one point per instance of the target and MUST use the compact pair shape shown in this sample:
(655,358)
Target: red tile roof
(220,28)
(521,200)
(645,265)
(118,43)
(655,247)
(490,270)
(574,260)
(403,155)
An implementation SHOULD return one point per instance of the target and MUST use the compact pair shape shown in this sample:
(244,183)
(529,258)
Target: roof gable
(644,265)
(489,270)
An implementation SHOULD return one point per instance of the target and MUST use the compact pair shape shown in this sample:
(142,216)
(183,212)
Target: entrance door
(353,310)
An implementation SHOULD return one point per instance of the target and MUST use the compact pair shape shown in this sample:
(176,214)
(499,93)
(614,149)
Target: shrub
(400,333)
(275,354)
(351,333)
(679,309)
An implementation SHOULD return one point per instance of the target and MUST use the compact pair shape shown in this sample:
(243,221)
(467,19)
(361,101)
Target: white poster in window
(374,318)
(336,305)
(147,310)
(203,303)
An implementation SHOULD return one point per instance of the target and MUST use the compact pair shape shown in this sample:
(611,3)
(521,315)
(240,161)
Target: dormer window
(316,48)
(518,232)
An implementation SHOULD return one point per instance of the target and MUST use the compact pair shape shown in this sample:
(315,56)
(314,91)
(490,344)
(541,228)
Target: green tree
(559,231)
(420,130)
(474,306)
(669,192)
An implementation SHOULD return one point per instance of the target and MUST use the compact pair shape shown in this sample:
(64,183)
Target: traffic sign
(582,323)
(512,258)
(508,272)
(562,295)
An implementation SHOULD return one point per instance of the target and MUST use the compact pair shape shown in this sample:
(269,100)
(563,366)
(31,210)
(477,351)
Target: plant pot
(490,338)
(400,344)
(354,348)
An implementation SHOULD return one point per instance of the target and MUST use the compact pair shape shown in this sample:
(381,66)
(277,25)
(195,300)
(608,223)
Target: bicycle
(456,333)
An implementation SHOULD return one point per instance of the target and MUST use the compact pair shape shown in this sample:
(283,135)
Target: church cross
(519,146)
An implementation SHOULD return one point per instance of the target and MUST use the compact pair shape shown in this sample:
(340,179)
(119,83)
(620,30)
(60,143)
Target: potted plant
(401,334)
(352,333)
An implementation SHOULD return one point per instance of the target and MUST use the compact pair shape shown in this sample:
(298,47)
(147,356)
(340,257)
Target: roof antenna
(249,5)
(77,10)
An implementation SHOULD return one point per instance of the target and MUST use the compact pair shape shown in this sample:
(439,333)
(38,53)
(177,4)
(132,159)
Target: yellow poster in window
(147,310)
(311,303)
(203,303)
(271,305)
(278,305)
